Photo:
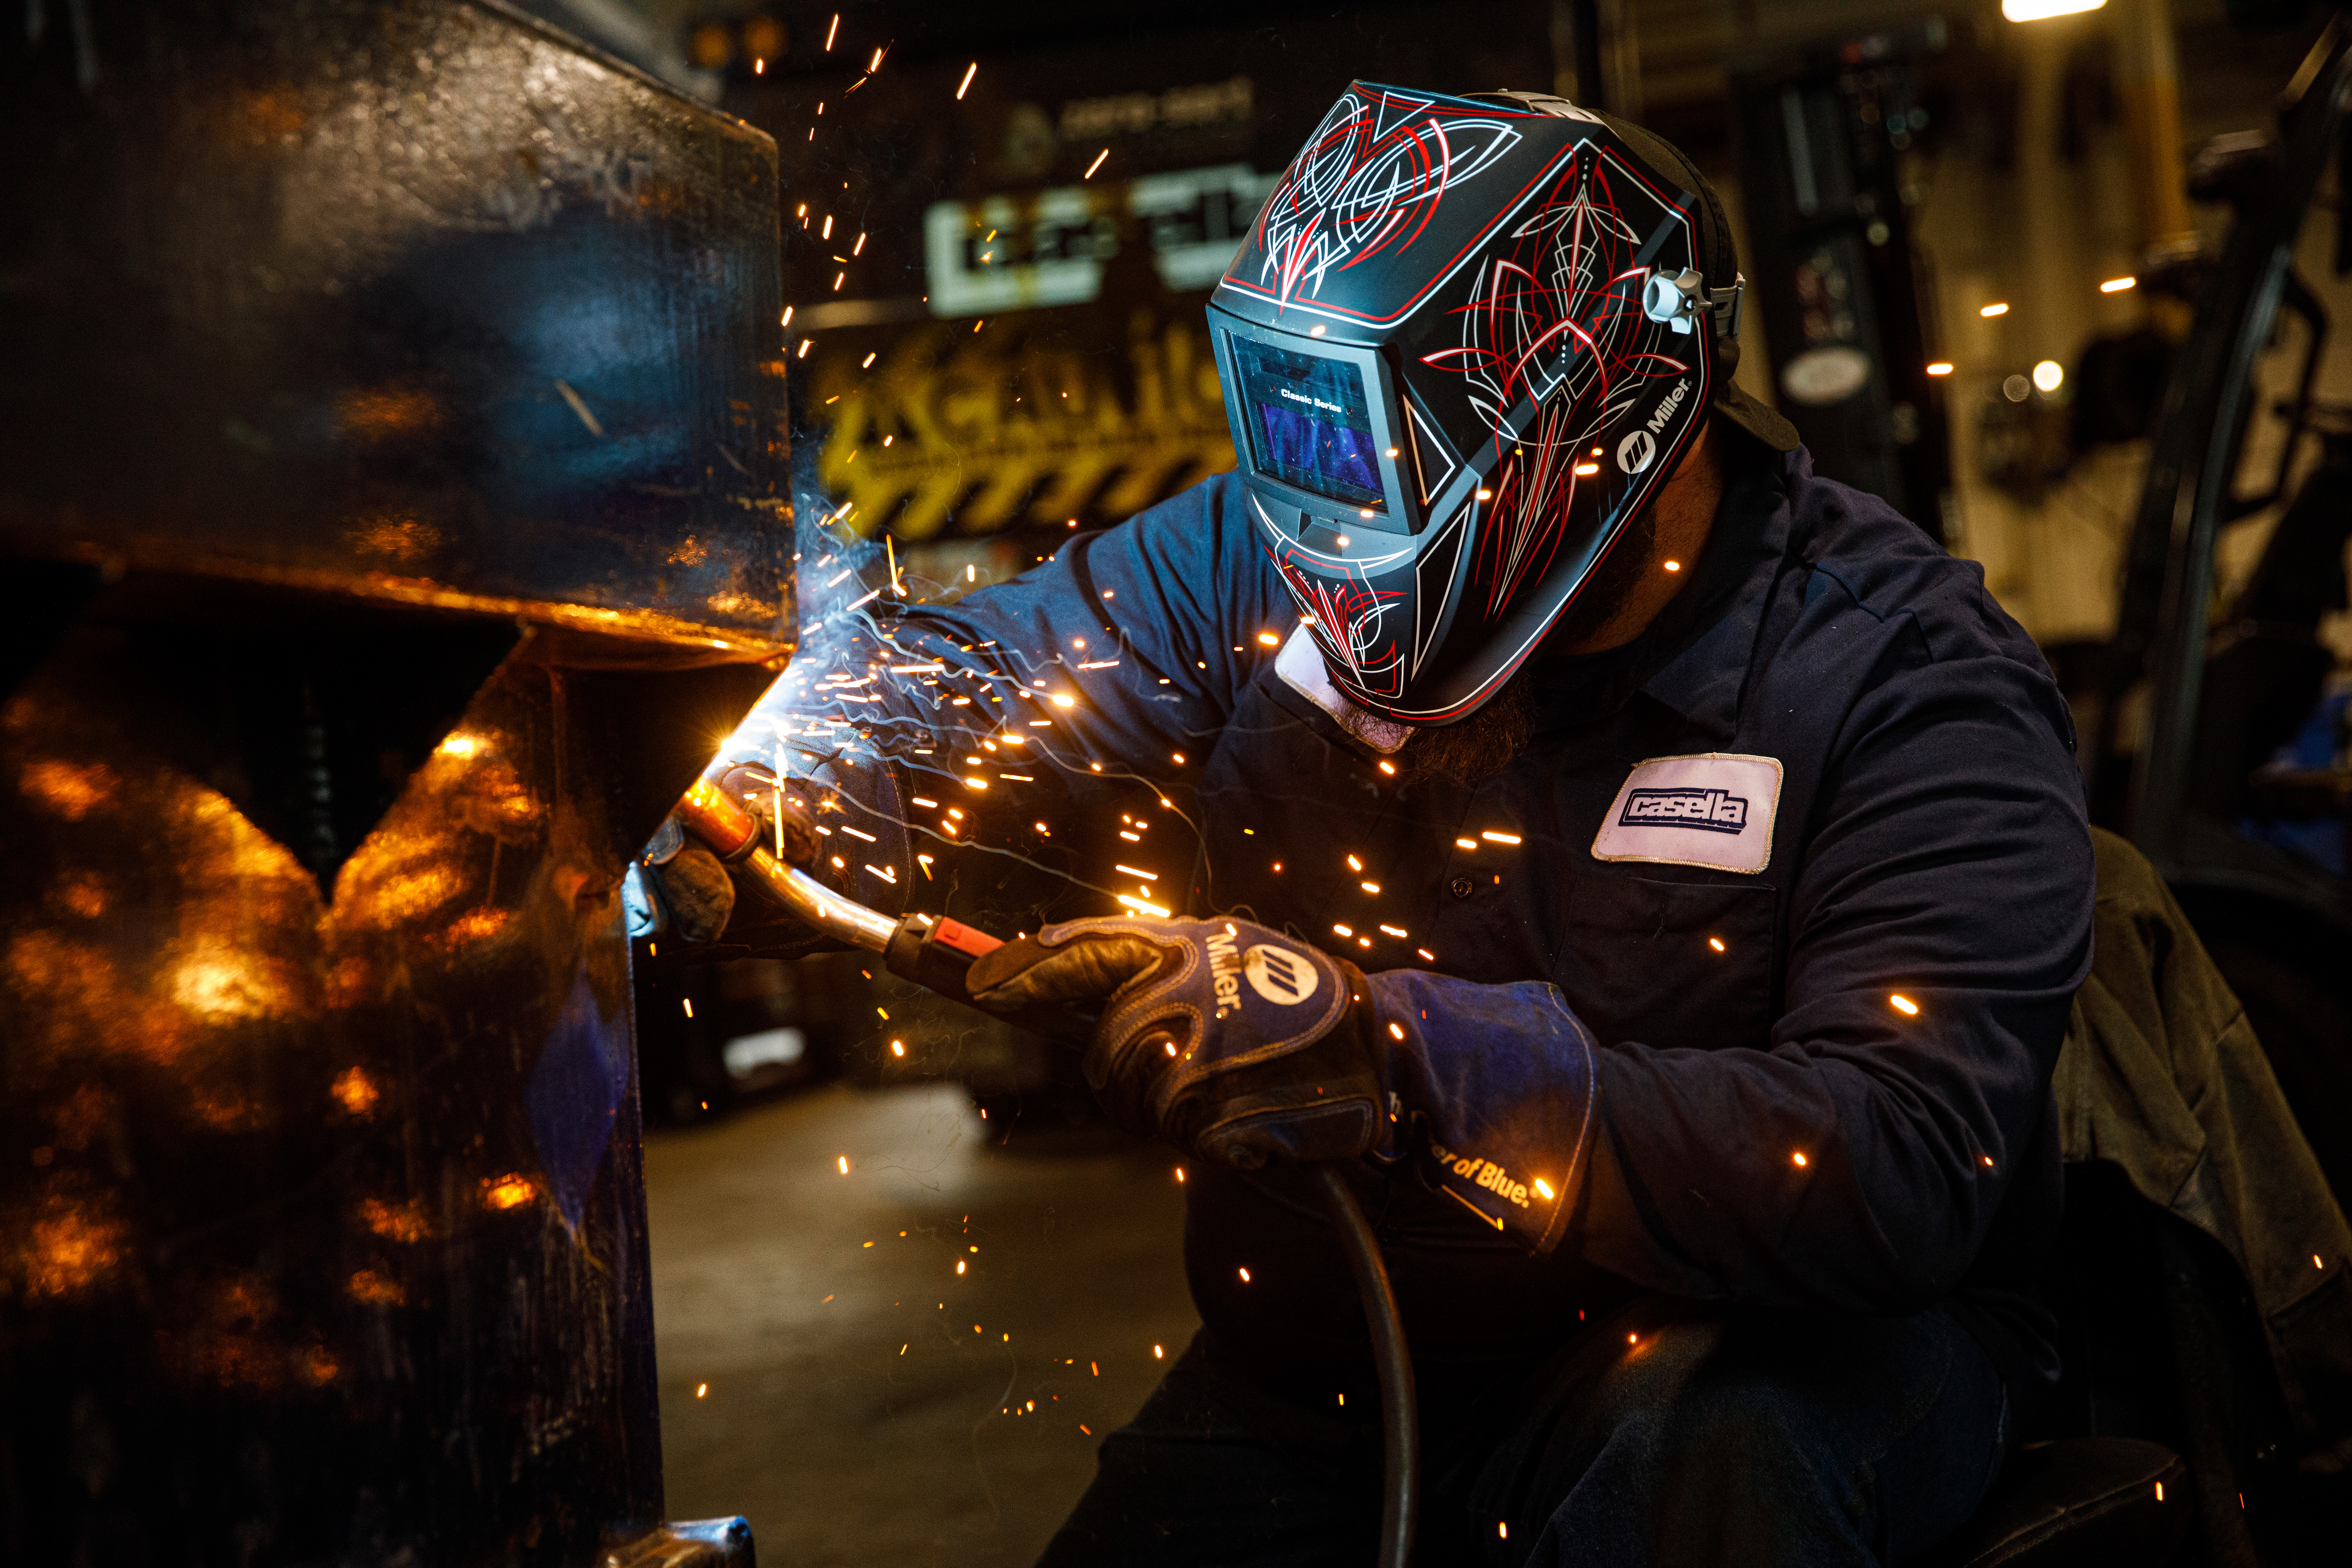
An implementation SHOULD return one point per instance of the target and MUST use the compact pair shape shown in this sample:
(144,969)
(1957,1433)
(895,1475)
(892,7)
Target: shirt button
(1461,887)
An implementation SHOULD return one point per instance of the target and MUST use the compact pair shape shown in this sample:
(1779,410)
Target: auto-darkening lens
(1309,423)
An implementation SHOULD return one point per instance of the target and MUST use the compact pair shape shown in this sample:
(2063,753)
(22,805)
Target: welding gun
(937,953)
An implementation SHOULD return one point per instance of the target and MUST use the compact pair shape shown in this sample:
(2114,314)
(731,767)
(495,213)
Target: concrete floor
(836,1393)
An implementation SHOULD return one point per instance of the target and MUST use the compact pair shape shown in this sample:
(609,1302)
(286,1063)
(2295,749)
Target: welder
(1659,873)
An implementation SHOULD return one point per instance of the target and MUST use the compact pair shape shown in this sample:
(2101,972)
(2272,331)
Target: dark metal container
(392,521)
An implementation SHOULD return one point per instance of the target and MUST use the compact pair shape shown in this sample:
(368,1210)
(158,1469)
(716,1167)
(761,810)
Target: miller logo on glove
(1220,1036)
(1242,1045)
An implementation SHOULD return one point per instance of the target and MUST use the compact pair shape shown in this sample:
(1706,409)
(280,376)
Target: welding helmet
(1466,340)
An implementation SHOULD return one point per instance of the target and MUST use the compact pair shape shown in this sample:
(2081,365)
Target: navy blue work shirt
(1773,1127)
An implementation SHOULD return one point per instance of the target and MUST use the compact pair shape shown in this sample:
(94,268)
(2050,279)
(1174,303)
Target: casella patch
(1714,809)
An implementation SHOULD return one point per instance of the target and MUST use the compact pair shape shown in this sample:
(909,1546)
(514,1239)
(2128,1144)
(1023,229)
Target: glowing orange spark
(510,1190)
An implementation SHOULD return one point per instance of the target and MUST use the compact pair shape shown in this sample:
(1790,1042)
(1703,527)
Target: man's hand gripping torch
(938,954)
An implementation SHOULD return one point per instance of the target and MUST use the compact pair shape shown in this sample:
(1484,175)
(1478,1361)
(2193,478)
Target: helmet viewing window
(1310,422)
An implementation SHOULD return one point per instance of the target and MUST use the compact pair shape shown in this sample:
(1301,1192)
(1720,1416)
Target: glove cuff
(1503,1082)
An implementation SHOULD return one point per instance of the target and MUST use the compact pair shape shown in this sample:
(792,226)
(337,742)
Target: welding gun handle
(938,954)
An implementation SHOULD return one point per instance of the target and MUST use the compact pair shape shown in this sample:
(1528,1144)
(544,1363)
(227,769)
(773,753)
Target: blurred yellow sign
(1018,421)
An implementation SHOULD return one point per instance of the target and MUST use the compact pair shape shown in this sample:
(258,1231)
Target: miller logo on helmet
(1443,320)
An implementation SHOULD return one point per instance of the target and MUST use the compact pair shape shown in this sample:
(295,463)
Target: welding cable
(915,947)
(1400,1405)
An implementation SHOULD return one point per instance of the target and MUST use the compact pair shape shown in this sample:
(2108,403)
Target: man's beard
(1483,744)
(1479,746)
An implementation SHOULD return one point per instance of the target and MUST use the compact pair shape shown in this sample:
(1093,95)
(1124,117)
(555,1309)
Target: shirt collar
(1693,657)
(1701,673)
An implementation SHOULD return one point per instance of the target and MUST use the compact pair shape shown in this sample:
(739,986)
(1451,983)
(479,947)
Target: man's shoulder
(1862,550)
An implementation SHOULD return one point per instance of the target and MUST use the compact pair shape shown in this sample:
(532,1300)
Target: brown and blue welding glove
(1221,1036)
(689,894)
(1232,1041)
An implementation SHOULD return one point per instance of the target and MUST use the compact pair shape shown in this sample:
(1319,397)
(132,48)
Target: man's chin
(1477,747)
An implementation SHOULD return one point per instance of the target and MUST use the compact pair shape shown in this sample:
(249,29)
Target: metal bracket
(1725,304)
(687,1543)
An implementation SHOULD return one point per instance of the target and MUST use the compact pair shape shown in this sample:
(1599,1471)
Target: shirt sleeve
(1937,928)
(1026,704)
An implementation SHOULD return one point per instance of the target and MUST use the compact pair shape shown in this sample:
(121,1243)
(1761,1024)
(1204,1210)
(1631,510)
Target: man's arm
(1856,1164)
(1025,702)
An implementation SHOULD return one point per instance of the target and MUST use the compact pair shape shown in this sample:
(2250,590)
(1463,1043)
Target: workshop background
(404,424)
(1973,253)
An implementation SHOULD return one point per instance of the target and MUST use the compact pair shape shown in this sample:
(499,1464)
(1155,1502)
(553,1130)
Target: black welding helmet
(1465,343)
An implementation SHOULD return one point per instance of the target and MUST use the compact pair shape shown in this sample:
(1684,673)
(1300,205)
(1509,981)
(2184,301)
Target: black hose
(912,952)
(1399,1408)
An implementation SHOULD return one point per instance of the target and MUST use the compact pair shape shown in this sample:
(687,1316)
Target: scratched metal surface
(322,1217)
(410,301)
(322,1221)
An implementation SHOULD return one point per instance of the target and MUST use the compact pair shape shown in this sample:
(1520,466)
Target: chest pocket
(1668,963)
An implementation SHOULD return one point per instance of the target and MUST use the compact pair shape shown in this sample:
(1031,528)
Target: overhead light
(2048,375)
(1941,367)
(1994,309)
(2043,10)
(2118,285)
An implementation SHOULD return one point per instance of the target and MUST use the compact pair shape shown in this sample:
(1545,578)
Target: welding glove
(1219,1036)
(690,894)
(1241,1045)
